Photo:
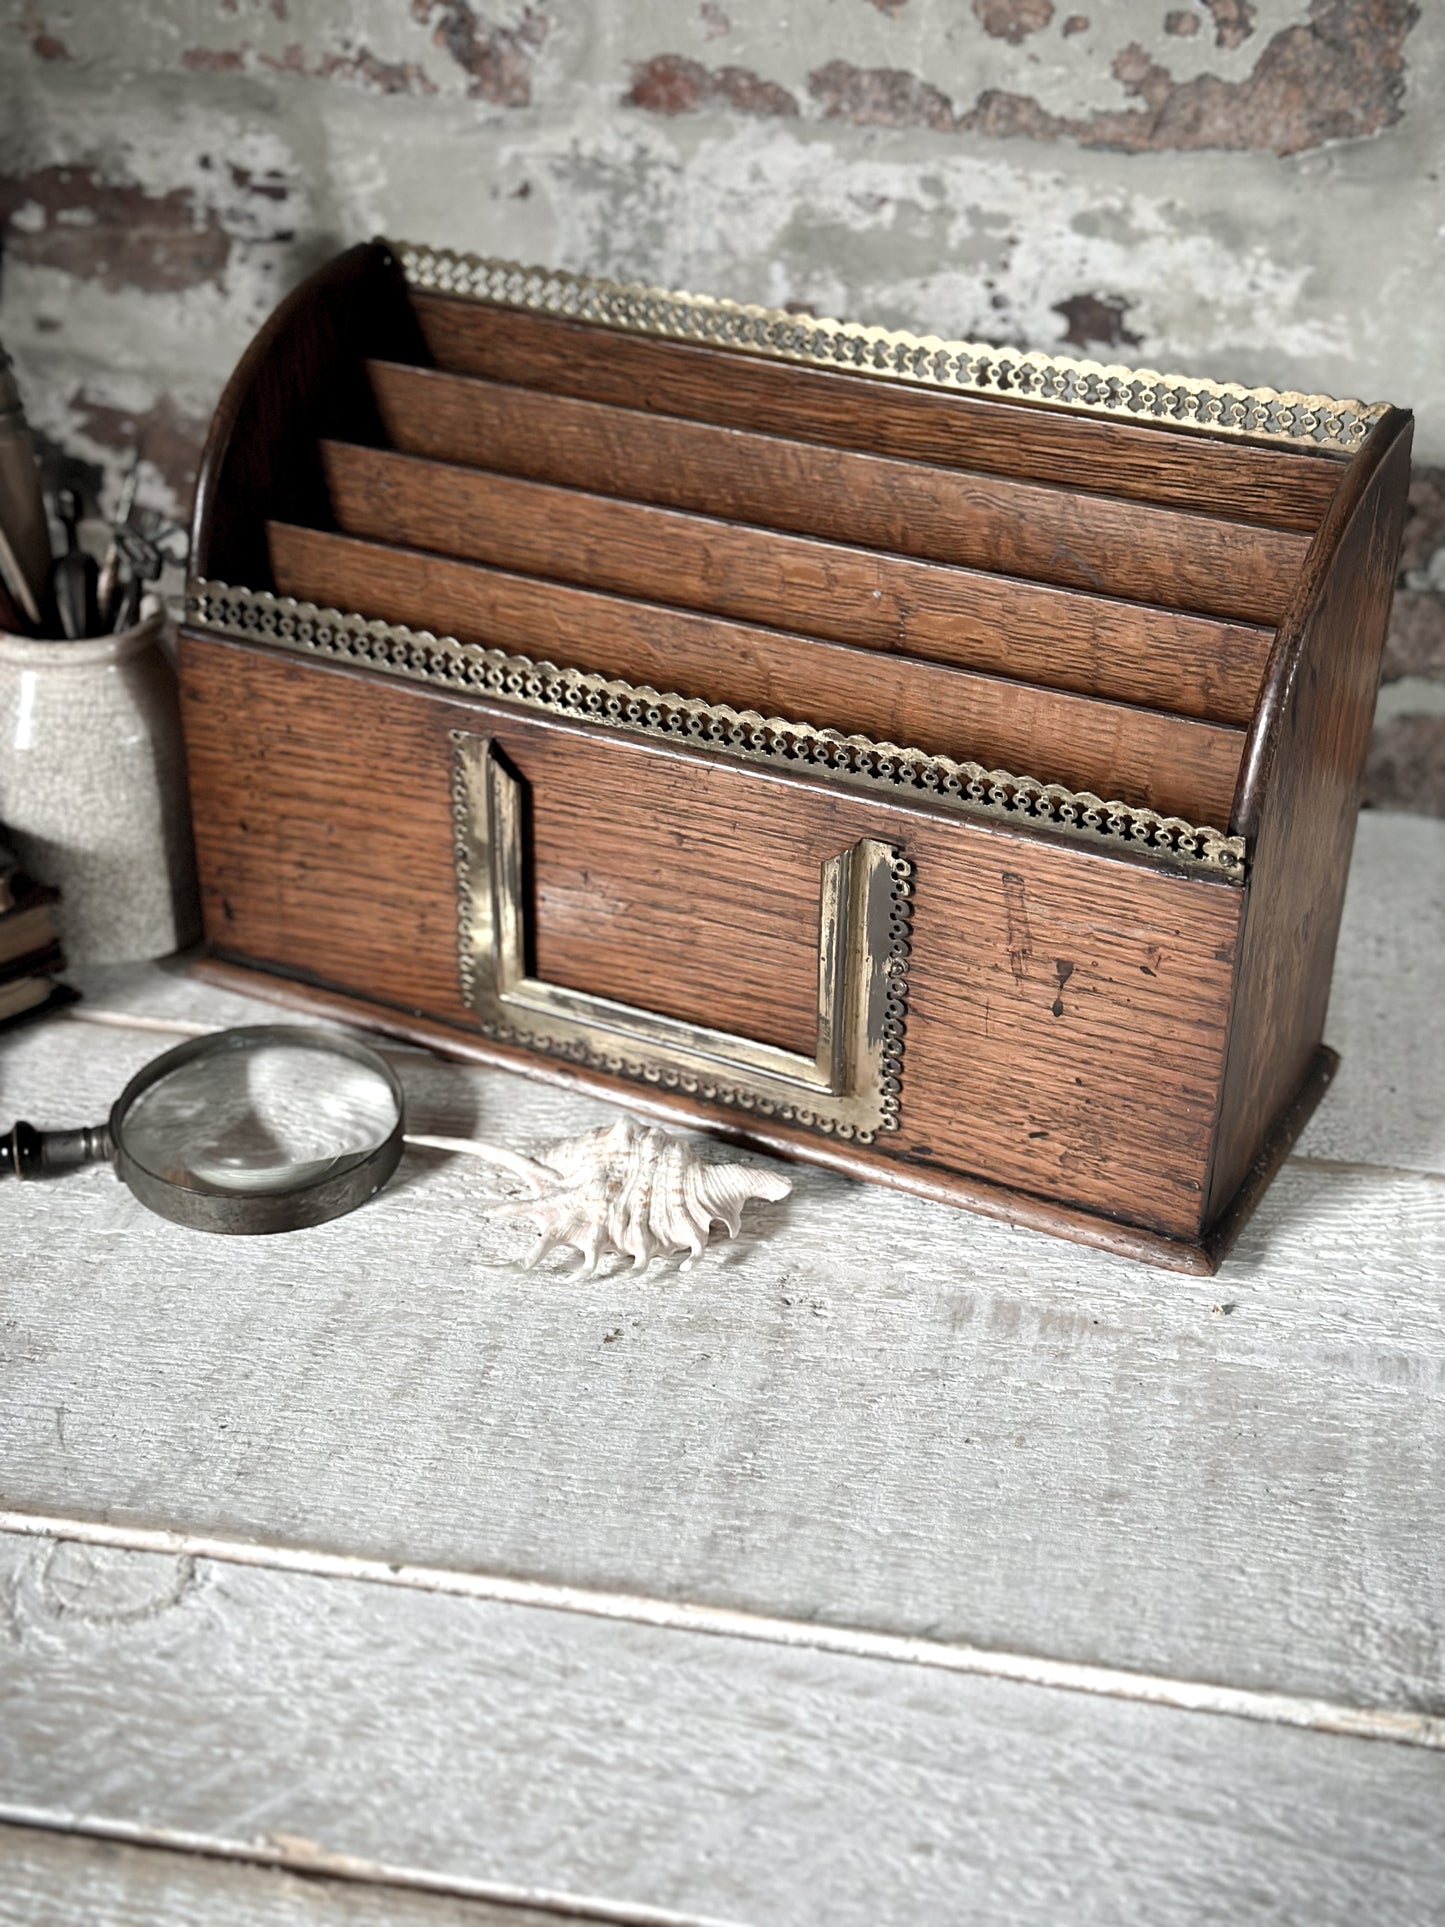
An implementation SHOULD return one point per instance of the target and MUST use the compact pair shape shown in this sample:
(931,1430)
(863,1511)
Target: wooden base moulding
(942,774)
(1199,1258)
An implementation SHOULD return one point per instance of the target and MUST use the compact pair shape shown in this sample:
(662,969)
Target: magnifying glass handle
(28,1153)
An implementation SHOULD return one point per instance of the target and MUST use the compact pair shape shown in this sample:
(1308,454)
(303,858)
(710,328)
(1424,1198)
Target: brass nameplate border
(892,354)
(848,1088)
(469,669)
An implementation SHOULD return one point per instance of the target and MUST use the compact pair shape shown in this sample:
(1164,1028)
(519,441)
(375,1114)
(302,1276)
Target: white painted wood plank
(883,1413)
(73,1880)
(887,1414)
(1387,1007)
(543,1753)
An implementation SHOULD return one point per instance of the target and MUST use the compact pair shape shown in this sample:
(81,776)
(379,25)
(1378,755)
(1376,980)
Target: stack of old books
(29,942)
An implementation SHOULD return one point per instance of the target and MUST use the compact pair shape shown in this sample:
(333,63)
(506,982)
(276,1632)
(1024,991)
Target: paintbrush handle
(73,580)
(17,587)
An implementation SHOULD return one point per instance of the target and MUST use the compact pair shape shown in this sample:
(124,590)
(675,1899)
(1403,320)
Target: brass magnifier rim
(236,1211)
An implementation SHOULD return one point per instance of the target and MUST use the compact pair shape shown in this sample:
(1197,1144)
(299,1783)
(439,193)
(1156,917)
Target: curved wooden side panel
(1298,798)
(300,379)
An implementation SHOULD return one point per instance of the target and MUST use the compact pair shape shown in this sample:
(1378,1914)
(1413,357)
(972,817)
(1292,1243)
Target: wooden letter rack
(933,760)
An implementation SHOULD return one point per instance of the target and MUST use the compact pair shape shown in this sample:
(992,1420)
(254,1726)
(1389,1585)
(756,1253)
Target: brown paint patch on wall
(118,234)
(1406,766)
(31,22)
(167,438)
(213,60)
(1424,519)
(890,7)
(674,84)
(1013,20)
(497,60)
(1415,645)
(356,63)
(1339,77)
(384,76)
(1097,321)
(880,97)
(1181,23)
(270,187)
(1233,21)
(1416,642)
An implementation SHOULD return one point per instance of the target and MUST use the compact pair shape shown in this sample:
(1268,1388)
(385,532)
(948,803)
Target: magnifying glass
(265,1128)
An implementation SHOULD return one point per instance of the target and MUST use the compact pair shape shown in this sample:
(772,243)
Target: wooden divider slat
(1035,632)
(1175,765)
(1279,487)
(1012,527)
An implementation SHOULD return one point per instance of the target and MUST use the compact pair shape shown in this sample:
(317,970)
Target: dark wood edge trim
(264,345)
(1019,1208)
(1257,765)
(1277,1146)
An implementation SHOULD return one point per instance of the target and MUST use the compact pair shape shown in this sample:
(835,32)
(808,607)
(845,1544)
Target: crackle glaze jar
(93,789)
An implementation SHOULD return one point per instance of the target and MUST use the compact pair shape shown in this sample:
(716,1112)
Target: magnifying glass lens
(270,1118)
(271,1127)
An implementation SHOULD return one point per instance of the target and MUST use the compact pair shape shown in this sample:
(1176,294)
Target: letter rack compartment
(937,761)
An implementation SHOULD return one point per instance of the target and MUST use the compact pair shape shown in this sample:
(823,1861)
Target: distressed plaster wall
(1244,188)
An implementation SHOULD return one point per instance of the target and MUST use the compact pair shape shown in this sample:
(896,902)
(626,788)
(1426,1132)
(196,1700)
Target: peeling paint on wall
(163,436)
(673,84)
(1340,77)
(1406,768)
(1250,189)
(496,58)
(1417,632)
(1013,20)
(114,232)
(1097,321)
(1233,21)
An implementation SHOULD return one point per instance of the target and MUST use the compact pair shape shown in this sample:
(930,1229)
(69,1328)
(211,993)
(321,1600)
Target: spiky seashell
(635,1191)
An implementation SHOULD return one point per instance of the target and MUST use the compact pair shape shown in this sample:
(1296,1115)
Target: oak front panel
(1066,1012)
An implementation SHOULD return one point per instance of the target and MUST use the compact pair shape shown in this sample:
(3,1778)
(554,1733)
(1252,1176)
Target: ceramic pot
(93,789)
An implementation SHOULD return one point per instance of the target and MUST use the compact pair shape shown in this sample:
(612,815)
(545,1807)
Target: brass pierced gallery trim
(255,615)
(967,367)
(849,1088)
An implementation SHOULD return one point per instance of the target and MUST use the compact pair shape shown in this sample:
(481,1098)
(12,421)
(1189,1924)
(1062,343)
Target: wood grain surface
(847,593)
(1147,552)
(680,1778)
(1066,1029)
(1282,488)
(1175,765)
(1025,631)
(65,1879)
(301,377)
(1300,790)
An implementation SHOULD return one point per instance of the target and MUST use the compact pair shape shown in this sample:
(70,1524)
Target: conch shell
(639,1192)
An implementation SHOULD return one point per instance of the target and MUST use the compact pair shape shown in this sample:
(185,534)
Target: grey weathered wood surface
(624,1769)
(869,1413)
(57,1879)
